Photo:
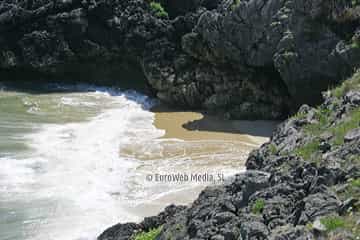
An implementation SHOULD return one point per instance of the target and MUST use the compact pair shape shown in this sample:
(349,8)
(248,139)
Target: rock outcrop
(247,58)
(125,231)
(303,184)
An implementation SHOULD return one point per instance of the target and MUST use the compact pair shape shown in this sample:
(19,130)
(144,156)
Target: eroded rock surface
(247,58)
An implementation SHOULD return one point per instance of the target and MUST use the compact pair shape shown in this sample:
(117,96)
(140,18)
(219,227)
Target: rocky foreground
(303,184)
(246,58)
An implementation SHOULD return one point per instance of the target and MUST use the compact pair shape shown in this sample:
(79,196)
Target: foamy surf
(73,169)
(80,156)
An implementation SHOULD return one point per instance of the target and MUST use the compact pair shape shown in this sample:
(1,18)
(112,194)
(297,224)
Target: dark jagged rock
(292,184)
(120,231)
(248,59)
(125,231)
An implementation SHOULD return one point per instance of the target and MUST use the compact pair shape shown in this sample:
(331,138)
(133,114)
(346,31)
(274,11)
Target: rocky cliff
(246,58)
(303,184)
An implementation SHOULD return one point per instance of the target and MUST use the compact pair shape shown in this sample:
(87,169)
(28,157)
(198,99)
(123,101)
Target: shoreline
(198,126)
(202,136)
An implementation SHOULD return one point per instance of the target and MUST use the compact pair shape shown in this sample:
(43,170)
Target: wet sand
(194,142)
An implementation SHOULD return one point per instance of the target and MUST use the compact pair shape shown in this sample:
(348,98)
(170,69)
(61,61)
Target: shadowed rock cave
(118,73)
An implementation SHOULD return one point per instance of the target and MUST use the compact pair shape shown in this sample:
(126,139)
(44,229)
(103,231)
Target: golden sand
(199,136)
(189,126)
(193,142)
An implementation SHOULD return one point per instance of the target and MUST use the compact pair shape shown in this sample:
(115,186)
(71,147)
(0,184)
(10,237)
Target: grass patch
(309,226)
(322,115)
(341,129)
(273,149)
(355,45)
(308,150)
(158,9)
(235,4)
(150,235)
(299,115)
(352,225)
(351,190)
(352,83)
(347,222)
(332,222)
(338,131)
(355,183)
(258,206)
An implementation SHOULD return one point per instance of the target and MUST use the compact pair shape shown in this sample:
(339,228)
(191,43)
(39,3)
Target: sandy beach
(190,126)
(195,142)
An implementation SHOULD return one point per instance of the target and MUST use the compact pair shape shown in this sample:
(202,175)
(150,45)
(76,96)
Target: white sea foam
(81,176)
(77,167)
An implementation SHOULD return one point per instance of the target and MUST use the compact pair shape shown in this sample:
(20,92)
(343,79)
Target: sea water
(74,160)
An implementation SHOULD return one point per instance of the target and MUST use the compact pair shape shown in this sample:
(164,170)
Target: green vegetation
(332,222)
(158,9)
(308,150)
(288,56)
(235,4)
(329,126)
(355,183)
(178,227)
(355,45)
(258,206)
(322,115)
(309,226)
(273,149)
(299,115)
(341,129)
(350,190)
(352,83)
(347,222)
(353,188)
(351,224)
(150,235)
